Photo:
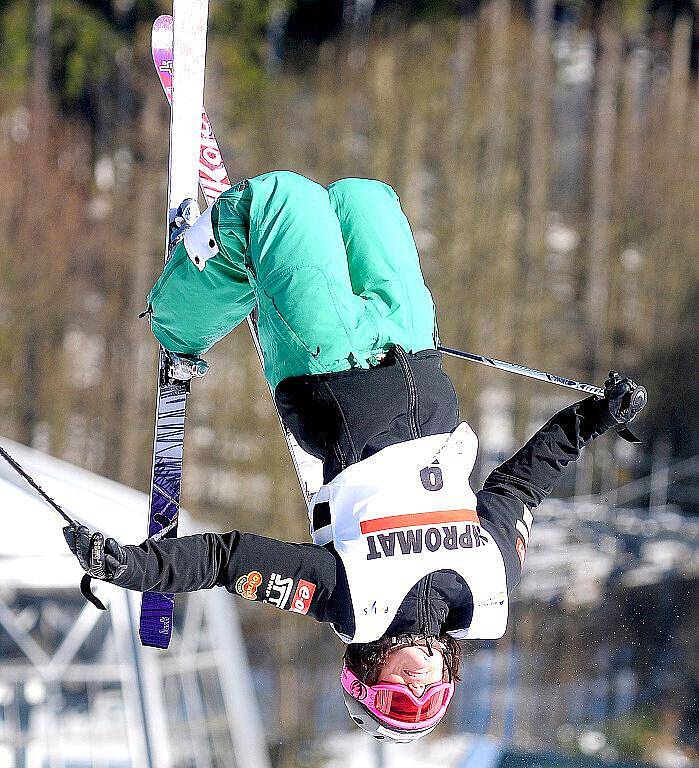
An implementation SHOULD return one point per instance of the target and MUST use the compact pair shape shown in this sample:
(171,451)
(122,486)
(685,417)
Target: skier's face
(413,666)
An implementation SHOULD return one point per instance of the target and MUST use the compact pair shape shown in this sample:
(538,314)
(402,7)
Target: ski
(213,180)
(186,40)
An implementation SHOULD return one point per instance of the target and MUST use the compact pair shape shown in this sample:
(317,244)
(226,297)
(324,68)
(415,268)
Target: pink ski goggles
(395,704)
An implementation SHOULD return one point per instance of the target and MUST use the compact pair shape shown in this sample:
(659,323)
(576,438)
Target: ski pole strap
(626,434)
(88,594)
(16,466)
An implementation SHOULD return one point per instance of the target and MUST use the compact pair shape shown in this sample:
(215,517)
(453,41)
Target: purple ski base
(155,628)
(157,609)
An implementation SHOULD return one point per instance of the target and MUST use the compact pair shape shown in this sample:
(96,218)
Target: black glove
(101,559)
(624,398)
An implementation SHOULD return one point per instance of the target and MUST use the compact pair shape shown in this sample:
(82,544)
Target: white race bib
(406,512)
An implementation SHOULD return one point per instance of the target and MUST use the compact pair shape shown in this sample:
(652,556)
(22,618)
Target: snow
(359,750)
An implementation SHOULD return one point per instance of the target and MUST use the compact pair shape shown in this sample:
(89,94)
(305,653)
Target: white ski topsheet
(189,53)
(214,180)
(155,626)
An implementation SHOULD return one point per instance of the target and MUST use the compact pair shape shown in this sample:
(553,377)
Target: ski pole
(639,396)
(16,466)
(85,588)
(522,370)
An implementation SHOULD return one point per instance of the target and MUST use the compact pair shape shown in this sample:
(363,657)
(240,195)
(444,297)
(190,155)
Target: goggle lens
(401,707)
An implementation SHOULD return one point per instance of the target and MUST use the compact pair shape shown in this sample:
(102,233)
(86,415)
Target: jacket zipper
(413,422)
(337,447)
(423,615)
(427,589)
(421,604)
(339,455)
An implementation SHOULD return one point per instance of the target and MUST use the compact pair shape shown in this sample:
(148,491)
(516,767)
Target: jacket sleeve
(300,578)
(517,486)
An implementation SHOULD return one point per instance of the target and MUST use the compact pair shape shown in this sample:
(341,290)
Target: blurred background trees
(547,156)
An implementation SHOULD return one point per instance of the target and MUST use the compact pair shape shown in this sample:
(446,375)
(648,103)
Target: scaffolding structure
(76,687)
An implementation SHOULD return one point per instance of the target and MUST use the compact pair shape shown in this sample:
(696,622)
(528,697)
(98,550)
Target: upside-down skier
(406,560)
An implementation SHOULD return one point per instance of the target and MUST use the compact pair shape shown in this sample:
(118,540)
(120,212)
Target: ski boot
(181,367)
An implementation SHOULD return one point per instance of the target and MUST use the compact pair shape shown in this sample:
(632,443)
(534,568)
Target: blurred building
(76,687)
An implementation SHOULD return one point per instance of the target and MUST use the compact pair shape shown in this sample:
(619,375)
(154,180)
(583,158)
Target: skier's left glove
(624,398)
(187,213)
(99,558)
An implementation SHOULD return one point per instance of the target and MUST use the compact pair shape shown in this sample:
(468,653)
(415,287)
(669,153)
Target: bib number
(431,478)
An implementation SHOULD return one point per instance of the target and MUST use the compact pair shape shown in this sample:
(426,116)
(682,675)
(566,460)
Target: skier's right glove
(625,399)
(99,558)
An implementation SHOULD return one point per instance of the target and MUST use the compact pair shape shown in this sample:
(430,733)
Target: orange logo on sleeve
(247,585)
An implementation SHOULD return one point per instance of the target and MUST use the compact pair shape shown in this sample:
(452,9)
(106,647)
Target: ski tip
(164,21)
(161,33)
(161,41)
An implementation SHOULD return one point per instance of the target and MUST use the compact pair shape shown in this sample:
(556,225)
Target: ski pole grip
(637,402)
(639,398)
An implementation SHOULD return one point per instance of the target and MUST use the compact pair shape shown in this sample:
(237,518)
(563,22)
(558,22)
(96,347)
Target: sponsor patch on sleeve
(247,585)
(521,550)
(303,596)
(278,590)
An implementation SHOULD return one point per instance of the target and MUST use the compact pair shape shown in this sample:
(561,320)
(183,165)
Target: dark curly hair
(365,660)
